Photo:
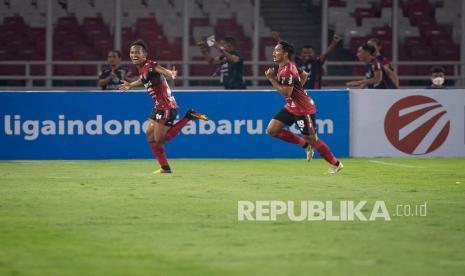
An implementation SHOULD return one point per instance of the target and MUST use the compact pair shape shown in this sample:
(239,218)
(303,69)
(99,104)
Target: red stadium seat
(382,33)
(37,70)
(7,54)
(67,70)
(102,46)
(29,53)
(407,70)
(361,13)
(422,53)
(385,3)
(12,70)
(337,3)
(449,53)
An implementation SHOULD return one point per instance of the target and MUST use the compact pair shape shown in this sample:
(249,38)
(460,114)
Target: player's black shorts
(305,123)
(164,117)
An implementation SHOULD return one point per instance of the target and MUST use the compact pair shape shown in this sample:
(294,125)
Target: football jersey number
(301,124)
(158,116)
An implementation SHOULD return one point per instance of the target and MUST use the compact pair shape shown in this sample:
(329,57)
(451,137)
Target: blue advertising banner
(110,125)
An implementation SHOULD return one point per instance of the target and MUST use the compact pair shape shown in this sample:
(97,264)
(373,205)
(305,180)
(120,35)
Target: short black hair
(140,43)
(230,40)
(370,49)
(308,47)
(375,40)
(287,48)
(118,53)
(438,69)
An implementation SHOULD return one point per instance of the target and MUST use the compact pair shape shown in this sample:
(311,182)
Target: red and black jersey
(156,86)
(299,103)
(376,65)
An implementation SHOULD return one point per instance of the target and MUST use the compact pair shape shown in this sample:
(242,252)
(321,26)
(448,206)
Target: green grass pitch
(116,218)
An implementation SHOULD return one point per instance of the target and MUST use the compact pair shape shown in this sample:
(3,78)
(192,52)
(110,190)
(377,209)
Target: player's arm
(102,82)
(284,90)
(377,78)
(204,49)
(171,74)
(391,74)
(303,77)
(128,85)
(229,57)
(332,46)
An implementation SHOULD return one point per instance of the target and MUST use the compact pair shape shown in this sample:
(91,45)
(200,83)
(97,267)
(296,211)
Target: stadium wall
(407,123)
(110,125)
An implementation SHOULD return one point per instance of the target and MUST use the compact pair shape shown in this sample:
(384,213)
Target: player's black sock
(166,168)
(337,163)
(305,146)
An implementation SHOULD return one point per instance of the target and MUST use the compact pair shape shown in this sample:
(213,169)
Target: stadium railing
(256,79)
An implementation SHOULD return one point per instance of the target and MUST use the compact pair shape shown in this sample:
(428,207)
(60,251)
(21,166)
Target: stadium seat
(361,13)
(449,53)
(13,70)
(421,53)
(407,70)
(382,33)
(336,3)
(408,31)
(385,3)
(354,32)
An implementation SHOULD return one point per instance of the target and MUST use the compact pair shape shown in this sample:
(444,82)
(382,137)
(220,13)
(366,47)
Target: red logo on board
(416,125)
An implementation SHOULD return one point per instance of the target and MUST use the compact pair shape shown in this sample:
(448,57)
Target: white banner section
(407,123)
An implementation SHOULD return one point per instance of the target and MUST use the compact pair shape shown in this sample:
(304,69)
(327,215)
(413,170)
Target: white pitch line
(395,164)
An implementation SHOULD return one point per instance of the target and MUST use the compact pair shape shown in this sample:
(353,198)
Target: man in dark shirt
(230,63)
(375,77)
(313,65)
(113,73)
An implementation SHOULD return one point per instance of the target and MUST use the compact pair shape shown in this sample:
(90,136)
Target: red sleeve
(386,61)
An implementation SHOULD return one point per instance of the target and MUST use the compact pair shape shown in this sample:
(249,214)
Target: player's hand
(355,84)
(337,38)
(112,75)
(269,73)
(125,86)
(174,73)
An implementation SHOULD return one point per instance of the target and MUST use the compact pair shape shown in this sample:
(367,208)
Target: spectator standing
(231,64)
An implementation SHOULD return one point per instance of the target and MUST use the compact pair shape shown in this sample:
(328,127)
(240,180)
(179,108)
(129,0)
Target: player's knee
(272,132)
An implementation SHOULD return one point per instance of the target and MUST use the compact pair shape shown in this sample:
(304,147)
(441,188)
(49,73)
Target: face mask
(438,81)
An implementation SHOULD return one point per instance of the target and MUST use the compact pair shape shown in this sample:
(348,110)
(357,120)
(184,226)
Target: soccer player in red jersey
(161,127)
(299,109)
